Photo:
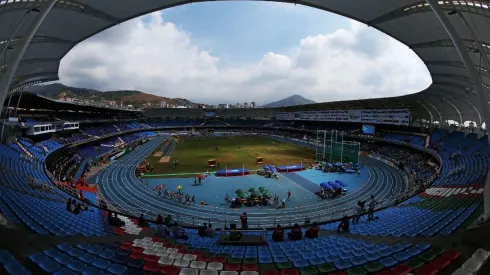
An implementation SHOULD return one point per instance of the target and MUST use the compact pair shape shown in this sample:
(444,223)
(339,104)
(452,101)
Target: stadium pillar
(7,77)
(14,32)
(475,77)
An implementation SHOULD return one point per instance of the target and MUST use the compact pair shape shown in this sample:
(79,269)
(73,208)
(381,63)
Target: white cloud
(155,56)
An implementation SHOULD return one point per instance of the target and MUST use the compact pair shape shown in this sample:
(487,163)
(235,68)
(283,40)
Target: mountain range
(138,99)
(289,101)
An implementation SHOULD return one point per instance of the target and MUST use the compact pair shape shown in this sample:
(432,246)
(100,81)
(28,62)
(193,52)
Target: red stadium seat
(151,258)
(427,270)
(152,267)
(401,270)
(270,272)
(232,267)
(169,270)
(451,254)
(338,273)
(136,256)
(137,249)
(250,267)
(126,246)
(440,262)
(220,259)
(289,272)
(204,258)
(385,272)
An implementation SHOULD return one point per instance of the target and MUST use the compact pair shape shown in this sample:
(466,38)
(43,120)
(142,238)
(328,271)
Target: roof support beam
(454,76)
(38,60)
(30,77)
(475,38)
(40,39)
(478,85)
(482,70)
(480,122)
(68,5)
(428,111)
(7,77)
(12,35)
(439,114)
(467,44)
(456,109)
(421,7)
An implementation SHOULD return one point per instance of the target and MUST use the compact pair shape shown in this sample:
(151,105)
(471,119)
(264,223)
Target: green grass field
(193,154)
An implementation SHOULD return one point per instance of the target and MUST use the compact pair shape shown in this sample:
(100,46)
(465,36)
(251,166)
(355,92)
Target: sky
(229,52)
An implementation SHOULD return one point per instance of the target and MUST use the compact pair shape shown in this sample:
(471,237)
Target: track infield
(193,154)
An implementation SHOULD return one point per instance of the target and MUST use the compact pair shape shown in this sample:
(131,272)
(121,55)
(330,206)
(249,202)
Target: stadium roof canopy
(31,101)
(451,96)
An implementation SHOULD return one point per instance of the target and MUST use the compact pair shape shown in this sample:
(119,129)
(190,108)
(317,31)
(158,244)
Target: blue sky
(241,32)
(228,52)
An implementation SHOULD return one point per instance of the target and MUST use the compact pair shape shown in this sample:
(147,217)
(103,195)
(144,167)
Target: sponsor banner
(377,116)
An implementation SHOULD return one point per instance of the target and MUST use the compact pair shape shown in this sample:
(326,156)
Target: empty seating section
(437,135)
(411,158)
(93,151)
(51,217)
(36,120)
(447,204)
(215,123)
(35,150)
(198,255)
(11,265)
(469,152)
(439,210)
(413,139)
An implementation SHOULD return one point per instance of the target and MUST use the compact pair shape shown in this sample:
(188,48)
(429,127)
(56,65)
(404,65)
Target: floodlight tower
(475,78)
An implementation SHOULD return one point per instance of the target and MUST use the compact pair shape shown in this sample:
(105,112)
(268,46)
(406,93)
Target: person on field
(244,220)
(371,205)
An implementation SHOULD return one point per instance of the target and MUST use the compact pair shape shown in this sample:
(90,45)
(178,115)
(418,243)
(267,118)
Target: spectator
(371,205)
(244,221)
(278,234)
(295,233)
(159,219)
(168,221)
(202,229)
(312,233)
(235,235)
(357,212)
(115,221)
(178,232)
(73,205)
(162,230)
(141,220)
(68,204)
(210,232)
(77,209)
(344,224)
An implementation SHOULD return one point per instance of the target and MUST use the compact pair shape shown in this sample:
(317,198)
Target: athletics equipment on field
(330,146)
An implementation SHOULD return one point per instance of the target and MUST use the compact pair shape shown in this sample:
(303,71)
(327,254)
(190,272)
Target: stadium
(374,186)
